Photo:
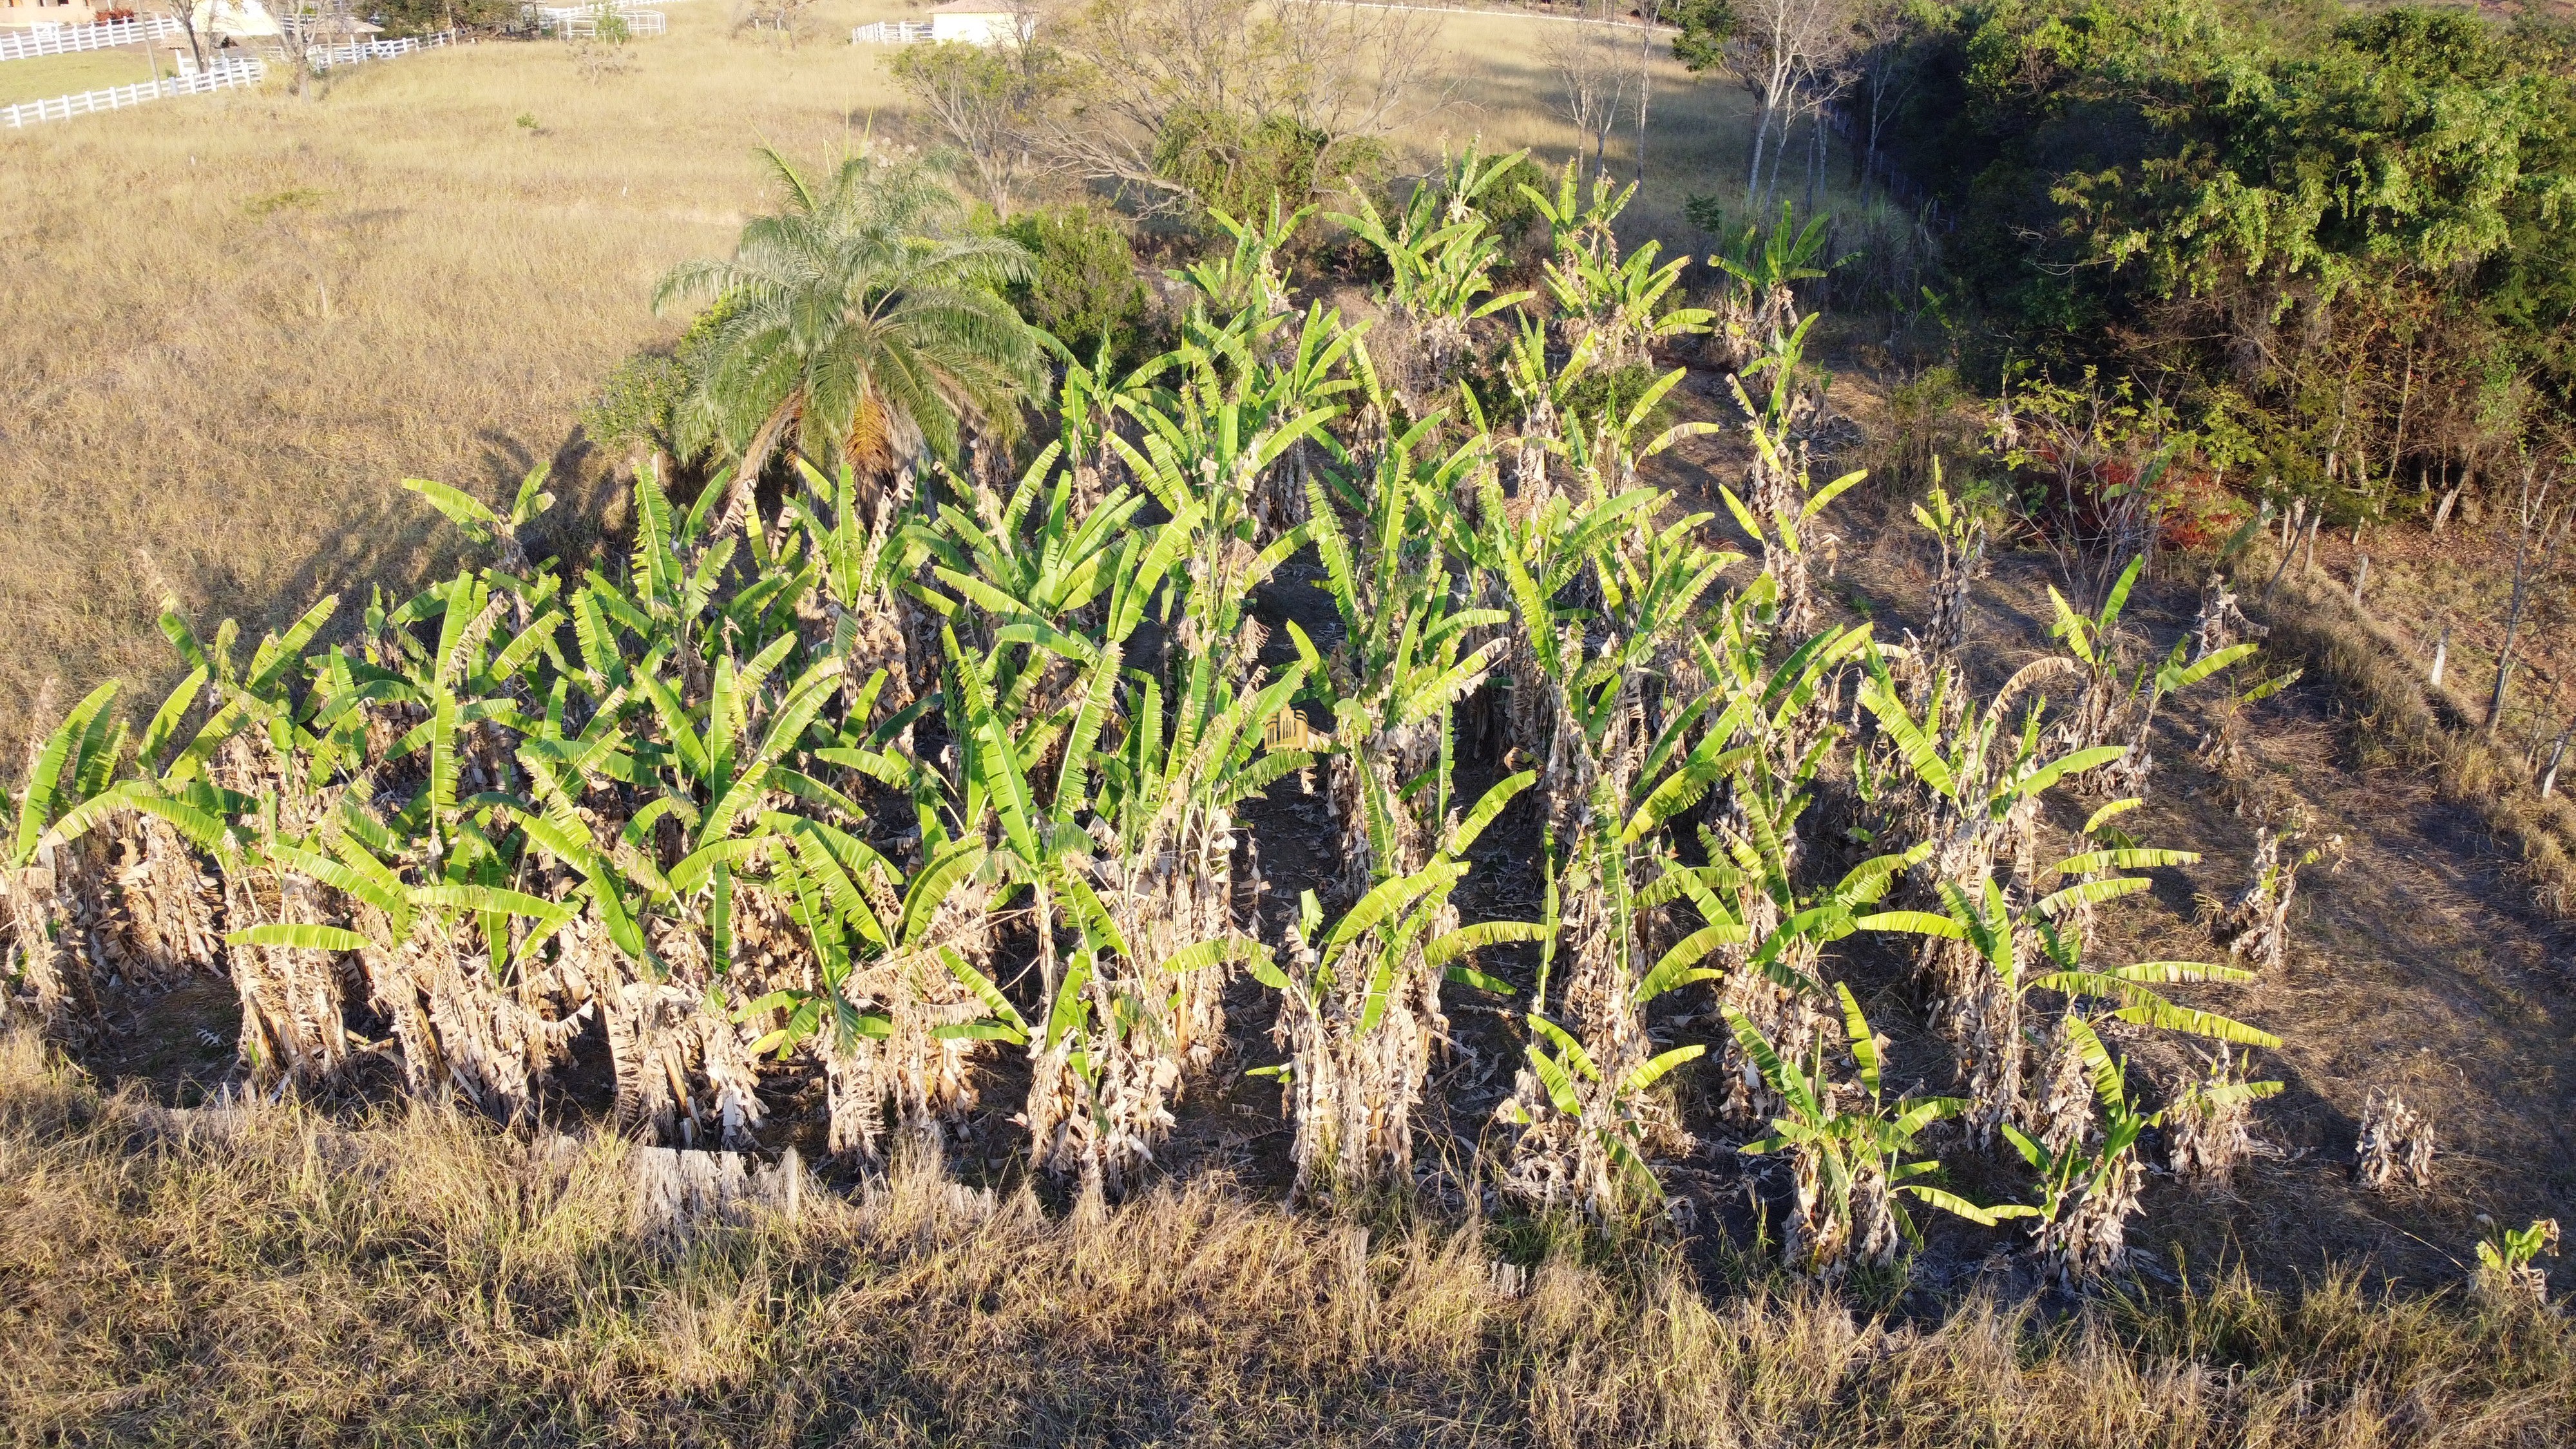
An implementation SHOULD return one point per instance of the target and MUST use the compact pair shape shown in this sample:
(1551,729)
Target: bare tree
(1650,13)
(308,26)
(184,12)
(989,99)
(1888,56)
(1783,50)
(1594,71)
(2535,518)
(1143,72)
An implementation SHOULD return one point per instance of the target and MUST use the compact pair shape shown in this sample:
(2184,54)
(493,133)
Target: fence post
(2441,655)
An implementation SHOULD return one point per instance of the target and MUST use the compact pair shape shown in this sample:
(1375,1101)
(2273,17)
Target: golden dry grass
(268,1274)
(236,321)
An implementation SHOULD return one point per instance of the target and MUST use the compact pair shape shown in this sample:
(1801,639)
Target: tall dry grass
(235,321)
(268,1274)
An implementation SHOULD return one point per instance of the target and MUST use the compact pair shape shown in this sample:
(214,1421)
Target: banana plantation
(934,783)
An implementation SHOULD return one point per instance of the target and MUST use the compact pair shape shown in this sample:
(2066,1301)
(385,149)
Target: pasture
(43,77)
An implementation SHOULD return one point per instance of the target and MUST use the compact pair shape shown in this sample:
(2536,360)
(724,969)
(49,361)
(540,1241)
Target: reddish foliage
(2199,511)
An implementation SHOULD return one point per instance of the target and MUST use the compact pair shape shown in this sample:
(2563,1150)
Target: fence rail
(71,39)
(63,108)
(892,32)
(324,57)
(575,22)
(585,25)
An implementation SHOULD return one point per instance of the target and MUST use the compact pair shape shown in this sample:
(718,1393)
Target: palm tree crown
(864,317)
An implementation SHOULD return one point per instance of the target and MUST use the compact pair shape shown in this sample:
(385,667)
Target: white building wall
(975,29)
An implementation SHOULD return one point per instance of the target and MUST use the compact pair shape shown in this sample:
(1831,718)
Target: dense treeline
(2335,243)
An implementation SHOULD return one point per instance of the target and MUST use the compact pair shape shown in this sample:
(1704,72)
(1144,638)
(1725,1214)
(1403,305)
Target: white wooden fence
(67,39)
(584,24)
(575,22)
(63,108)
(892,32)
(323,57)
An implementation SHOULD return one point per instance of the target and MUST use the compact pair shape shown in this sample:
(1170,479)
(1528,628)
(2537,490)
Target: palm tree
(865,317)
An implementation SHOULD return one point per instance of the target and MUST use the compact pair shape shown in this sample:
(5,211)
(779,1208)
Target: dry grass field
(271,1274)
(236,321)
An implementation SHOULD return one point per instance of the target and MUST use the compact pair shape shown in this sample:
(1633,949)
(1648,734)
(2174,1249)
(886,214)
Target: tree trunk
(1761,133)
(2513,611)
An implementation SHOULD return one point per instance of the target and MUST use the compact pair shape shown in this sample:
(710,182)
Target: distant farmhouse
(50,12)
(965,22)
(216,19)
(978,22)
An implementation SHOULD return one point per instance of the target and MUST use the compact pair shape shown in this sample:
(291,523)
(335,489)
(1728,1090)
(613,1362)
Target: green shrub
(1085,289)
(1239,164)
(1616,390)
(639,401)
(636,403)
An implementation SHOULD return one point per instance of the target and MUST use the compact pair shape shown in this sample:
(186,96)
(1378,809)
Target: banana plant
(1781,709)
(1623,300)
(898,1008)
(1543,394)
(1586,1117)
(1763,266)
(1168,793)
(459,1020)
(58,912)
(1088,404)
(2088,1187)
(1771,934)
(2505,1257)
(1785,502)
(1403,663)
(1440,255)
(477,520)
(1246,280)
(1973,787)
(1141,1003)
(1600,295)
(1360,1009)
(2121,704)
(860,566)
(1993,1009)
(1603,455)
(1032,560)
(1572,689)
(1209,453)
(1852,1166)
(1587,1146)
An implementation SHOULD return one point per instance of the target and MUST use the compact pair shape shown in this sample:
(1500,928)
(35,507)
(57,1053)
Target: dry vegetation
(236,321)
(267,1274)
(303,300)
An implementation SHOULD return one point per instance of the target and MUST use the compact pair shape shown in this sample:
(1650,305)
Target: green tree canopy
(862,324)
